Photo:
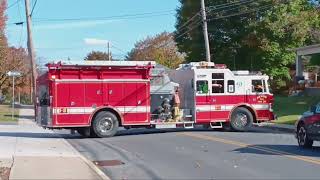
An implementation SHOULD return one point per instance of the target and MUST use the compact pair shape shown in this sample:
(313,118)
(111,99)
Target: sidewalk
(34,153)
(278,127)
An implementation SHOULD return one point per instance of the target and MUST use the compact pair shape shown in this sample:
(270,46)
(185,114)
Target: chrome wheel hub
(302,135)
(105,125)
(241,120)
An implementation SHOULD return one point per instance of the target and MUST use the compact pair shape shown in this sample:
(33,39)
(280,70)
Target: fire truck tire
(84,132)
(105,124)
(241,119)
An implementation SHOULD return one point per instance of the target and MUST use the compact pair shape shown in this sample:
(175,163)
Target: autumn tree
(97,56)
(3,45)
(160,48)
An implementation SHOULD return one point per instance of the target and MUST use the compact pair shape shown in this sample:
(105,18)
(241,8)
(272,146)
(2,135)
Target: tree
(258,35)
(160,48)
(16,60)
(284,27)
(3,46)
(97,56)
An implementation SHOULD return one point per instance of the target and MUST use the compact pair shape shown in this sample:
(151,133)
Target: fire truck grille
(109,163)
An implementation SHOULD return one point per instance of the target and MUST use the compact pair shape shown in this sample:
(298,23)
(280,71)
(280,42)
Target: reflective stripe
(261,106)
(206,108)
(89,110)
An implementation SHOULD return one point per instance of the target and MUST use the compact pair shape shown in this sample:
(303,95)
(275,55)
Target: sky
(65,29)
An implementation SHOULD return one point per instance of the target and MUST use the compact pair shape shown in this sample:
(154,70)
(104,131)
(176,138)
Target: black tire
(105,124)
(241,119)
(302,137)
(84,132)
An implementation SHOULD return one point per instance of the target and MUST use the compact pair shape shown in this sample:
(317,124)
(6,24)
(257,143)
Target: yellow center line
(255,147)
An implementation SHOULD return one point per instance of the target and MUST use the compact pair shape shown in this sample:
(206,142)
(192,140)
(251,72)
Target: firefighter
(176,106)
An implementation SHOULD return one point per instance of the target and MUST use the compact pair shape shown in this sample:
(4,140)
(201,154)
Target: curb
(96,169)
(277,128)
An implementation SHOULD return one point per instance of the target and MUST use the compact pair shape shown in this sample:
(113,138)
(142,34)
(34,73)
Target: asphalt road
(201,154)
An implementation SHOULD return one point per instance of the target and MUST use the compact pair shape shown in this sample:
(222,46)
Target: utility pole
(109,57)
(13,97)
(31,52)
(205,30)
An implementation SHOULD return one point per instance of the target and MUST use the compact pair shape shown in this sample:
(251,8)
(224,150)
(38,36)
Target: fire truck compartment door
(136,103)
(70,107)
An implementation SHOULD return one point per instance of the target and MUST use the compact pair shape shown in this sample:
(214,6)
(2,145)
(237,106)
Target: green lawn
(5,114)
(288,109)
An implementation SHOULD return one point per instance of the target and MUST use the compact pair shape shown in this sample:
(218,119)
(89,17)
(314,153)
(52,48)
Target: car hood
(307,114)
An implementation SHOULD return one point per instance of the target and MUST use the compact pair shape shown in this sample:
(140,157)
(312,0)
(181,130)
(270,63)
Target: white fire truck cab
(217,96)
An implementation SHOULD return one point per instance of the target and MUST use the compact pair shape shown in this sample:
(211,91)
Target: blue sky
(58,40)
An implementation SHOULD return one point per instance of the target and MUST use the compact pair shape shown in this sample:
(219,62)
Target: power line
(119,17)
(241,13)
(226,5)
(182,34)
(138,15)
(119,49)
(34,5)
(222,17)
(187,22)
(224,11)
(13,4)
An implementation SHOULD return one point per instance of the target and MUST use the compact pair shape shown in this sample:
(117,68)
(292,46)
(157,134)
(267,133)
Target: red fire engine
(97,97)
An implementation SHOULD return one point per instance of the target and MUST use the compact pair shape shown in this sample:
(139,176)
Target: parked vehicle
(308,127)
(95,98)
(2,99)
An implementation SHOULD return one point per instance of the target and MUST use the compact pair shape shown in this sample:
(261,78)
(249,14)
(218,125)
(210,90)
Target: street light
(13,74)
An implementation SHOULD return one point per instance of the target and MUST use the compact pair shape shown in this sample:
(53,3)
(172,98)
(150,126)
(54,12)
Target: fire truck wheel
(241,119)
(105,124)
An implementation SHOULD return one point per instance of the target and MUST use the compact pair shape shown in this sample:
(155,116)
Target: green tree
(97,56)
(257,35)
(160,48)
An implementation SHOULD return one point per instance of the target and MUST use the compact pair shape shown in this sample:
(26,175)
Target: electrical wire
(119,17)
(226,5)
(34,5)
(187,22)
(241,13)
(138,15)
(13,4)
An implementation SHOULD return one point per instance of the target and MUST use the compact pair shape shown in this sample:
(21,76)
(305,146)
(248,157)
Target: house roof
(308,50)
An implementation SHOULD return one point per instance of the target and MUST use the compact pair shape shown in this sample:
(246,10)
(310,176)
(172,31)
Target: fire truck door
(93,95)
(136,103)
(69,103)
(61,103)
(76,104)
(114,93)
(130,99)
(142,103)
(202,101)
(218,98)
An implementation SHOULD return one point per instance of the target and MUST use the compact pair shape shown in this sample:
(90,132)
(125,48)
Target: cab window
(202,87)
(217,83)
(258,86)
(231,88)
